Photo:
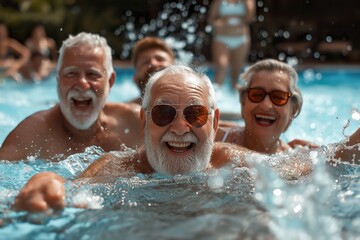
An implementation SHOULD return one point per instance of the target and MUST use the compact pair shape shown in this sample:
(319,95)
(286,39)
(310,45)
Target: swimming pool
(330,96)
(226,204)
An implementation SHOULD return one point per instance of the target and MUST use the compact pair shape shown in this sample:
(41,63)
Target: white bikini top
(228,8)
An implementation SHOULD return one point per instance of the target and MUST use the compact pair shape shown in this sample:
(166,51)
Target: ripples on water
(230,203)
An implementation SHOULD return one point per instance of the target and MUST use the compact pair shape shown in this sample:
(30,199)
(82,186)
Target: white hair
(179,69)
(88,39)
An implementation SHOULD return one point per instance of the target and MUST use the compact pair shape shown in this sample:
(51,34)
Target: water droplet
(328,39)
(355,115)
(297,208)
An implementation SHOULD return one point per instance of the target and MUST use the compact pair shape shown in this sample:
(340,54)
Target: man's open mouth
(81,102)
(180,147)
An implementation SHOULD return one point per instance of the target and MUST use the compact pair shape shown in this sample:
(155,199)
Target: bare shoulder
(213,10)
(51,42)
(123,113)
(12,42)
(36,123)
(122,108)
(230,134)
(224,153)
(222,134)
(97,167)
(29,133)
(117,163)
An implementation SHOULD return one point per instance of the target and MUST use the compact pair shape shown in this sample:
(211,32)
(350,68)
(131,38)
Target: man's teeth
(179,144)
(81,99)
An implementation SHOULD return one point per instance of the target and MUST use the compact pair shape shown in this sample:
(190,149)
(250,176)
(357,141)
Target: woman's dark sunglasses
(277,97)
(195,115)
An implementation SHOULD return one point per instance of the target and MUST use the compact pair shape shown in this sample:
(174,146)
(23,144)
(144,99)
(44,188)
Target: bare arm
(213,11)
(350,150)
(98,167)
(289,167)
(52,46)
(224,153)
(45,190)
(119,162)
(25,140)
(250,9)
(22,51)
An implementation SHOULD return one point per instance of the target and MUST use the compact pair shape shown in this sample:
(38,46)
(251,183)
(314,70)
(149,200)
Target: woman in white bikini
(231,36)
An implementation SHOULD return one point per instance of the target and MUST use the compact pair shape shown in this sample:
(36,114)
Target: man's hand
(42,192)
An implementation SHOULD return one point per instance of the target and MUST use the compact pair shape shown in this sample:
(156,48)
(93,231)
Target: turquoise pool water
(224,204)
(330,96)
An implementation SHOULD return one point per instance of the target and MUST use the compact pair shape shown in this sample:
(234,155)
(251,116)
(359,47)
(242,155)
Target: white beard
(81,120)
(171,165)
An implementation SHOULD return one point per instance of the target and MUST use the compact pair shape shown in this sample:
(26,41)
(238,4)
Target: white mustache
(171,137)
(79,95)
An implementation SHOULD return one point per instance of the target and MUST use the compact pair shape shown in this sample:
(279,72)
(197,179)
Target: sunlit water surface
(232,203)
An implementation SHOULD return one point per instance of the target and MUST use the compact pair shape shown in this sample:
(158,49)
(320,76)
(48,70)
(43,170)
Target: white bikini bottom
(232,42)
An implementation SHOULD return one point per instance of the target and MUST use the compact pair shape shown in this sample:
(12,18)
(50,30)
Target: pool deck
(301,66)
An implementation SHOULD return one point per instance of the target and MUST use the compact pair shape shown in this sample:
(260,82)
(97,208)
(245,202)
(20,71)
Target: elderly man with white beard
(179,119)
(82,118)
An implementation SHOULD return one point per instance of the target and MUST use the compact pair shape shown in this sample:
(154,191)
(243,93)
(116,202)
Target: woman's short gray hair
(271,65)
(88,39)
(179,69)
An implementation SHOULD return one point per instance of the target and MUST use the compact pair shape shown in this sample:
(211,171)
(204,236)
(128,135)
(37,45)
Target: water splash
(355,114)
(77,163)
(301,210)
(181,24)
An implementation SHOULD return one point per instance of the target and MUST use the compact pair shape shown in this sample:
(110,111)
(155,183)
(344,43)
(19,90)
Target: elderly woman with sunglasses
(270,100)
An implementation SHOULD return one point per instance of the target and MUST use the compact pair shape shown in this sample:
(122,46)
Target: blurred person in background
(43,57)
(149,55)
(39,42)
(13,55)
(231,41)
(37,68)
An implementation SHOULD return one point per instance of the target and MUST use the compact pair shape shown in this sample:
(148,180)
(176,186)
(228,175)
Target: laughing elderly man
(82,118)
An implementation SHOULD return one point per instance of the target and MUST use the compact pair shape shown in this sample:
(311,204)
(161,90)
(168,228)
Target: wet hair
(272,65)
(150,43)
(88,39)
(179,69)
